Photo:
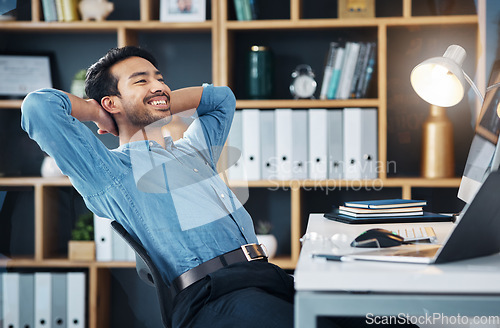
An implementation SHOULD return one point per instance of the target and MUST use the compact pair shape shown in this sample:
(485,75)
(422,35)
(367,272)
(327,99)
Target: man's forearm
(86,110)
(185,101)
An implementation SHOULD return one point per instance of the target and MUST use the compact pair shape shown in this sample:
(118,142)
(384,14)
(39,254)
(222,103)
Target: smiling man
(168,195)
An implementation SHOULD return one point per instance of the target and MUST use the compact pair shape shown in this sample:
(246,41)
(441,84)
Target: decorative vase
(49,168)
(270,242)
(79,250)
(95,9)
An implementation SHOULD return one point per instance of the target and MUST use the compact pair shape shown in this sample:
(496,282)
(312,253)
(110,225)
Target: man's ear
(109,104)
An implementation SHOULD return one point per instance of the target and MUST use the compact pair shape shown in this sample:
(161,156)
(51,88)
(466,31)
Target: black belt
(249,252)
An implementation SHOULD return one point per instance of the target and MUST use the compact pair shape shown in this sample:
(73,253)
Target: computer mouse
(376,238)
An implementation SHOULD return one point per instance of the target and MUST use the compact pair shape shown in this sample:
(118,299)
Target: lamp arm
(473,86)
(493,86)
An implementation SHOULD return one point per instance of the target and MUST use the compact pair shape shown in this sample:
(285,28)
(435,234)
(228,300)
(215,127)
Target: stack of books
(385,207)
(384,211)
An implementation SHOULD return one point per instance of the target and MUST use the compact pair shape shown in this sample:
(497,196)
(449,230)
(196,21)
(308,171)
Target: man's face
(144,96)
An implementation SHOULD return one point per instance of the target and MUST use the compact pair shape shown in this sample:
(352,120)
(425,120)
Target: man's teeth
(158,102)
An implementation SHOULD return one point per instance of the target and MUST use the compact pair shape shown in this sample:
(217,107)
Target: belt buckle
(247,251)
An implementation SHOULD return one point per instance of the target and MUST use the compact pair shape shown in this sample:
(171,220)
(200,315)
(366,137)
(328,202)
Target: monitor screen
(484,153)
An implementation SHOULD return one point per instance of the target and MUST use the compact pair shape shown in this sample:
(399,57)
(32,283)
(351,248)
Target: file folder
(284,146)
(11,299)
(43,299)
(369,149)
(76,299)
(59,301)
(103,239)
(119,247)
(317,144)
(268,145)
(251,143)
(235,168)
(352,143)
(335,144)
(299,132)
(27,300)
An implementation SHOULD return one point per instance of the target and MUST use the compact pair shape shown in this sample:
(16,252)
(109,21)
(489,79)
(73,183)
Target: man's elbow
(34,105)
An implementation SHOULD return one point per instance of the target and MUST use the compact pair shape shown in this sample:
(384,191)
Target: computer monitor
(484,153)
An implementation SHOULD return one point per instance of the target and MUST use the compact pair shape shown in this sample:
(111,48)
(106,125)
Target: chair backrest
(149,273)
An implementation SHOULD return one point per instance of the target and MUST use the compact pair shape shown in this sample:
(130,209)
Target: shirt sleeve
(215,113)
(46,117)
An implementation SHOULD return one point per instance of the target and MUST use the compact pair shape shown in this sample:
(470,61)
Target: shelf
(105,26)
(306,103)
(389,182)
(349,23)
(10,103)
(35,181)
(377,183)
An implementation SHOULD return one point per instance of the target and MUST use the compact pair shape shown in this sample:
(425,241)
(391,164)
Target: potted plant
(81,247)
(264,236)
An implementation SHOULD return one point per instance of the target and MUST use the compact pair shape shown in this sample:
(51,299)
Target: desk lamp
(440,81)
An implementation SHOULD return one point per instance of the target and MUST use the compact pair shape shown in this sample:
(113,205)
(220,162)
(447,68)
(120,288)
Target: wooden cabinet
(213,51)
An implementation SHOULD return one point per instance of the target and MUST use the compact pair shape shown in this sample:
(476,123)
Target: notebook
(387,218)
(476,233)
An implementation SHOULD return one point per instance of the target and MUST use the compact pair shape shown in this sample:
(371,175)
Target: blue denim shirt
(171,199)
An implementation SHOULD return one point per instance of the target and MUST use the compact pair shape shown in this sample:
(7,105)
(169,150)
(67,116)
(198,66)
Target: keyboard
(413,234)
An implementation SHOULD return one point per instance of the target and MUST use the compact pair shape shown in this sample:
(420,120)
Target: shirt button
(151,144)
(222,196)
(196,170)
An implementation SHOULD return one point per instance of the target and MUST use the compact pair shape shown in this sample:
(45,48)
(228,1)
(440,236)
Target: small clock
(303,83)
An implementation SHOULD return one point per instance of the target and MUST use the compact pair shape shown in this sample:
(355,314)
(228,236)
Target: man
(167,195)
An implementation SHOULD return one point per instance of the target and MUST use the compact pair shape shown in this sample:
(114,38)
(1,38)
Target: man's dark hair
(99,82)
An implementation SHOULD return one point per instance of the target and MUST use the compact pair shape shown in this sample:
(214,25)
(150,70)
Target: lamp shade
(440,80)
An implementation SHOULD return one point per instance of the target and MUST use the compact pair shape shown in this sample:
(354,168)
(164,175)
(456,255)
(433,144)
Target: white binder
(26,300)
(59,309)
(43,299)
(369,141)
(76,299)
(251,143)
(300,147)
(352,143)
(103,239)
(335,144)
(119,247)
(268,145)
(283,120)
(11,299)
(235,168)
(317,144)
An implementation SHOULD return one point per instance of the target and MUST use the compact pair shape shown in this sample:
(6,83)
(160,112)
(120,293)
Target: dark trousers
(249,294)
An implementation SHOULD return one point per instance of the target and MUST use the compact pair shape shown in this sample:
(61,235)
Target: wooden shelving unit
(222,31)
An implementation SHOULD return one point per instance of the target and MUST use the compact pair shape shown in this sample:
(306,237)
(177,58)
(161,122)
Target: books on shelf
(245,9)
(348,70)
(60,10)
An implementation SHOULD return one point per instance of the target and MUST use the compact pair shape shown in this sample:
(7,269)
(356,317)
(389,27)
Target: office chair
(148,272)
